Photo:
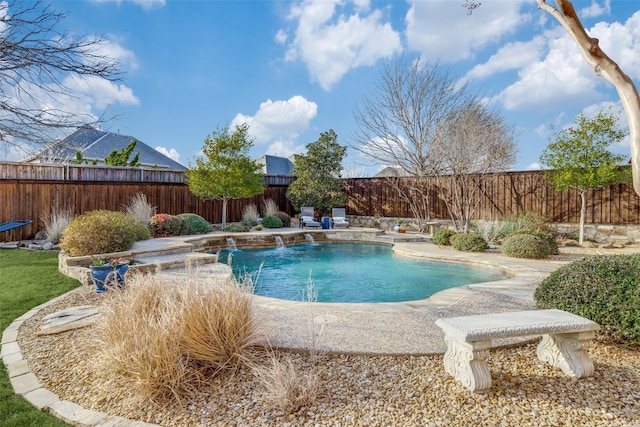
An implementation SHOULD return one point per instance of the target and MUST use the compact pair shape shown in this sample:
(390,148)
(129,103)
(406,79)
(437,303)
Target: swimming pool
(350,272)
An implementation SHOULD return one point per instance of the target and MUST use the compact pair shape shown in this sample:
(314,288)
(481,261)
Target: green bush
(532,244)
(285,218)
(193,224)
(605,289)
(237,228)
(442,236)
(470,243)
(271,221)
(165,225)
(101,231)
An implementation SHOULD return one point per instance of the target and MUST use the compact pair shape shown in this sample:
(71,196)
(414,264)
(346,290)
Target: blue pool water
(349,272)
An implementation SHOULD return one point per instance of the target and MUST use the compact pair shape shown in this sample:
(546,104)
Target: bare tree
(36,63)
(474,143)
(398,122)
(602,65)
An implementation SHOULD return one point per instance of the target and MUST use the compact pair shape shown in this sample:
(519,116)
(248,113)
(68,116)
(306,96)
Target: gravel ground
(353,390)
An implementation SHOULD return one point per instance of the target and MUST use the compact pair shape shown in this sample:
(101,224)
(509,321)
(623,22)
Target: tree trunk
(583,211)
(607,68)
(224,213)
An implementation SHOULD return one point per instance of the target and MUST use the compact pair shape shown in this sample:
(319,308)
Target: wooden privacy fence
(508,194)
(29,199)
(27,192)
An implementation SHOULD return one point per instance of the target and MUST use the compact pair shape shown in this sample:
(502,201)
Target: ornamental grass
(170,332)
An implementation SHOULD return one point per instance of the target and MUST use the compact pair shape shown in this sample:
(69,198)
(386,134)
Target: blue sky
(294,69)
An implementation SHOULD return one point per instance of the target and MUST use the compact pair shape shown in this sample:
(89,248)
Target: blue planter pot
(106,276)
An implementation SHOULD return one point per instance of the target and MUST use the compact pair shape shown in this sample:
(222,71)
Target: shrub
(491,230)
(270,208)
(271,222)
(546,245)
(168,333)
(250,215)
(442,236)
(605,289)
(525,245)
(471,242)
(284,217)
(237,228)
(140,208)
(191,223)
(101,231)
(55,222)
(164,225)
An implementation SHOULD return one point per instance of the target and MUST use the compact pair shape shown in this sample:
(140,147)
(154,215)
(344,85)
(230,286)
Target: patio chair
(339,217)
(308,219)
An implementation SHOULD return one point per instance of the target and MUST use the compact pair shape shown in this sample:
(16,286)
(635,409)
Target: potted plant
(105,272)
(397,227)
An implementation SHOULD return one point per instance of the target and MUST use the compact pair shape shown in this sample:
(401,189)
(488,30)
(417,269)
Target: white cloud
(560,74)
(282,120)
(511,56)
(596,9)
(331,42)
(285,148)
(110,48)
(171,153)
(101,93)
(533,166)
(442,32)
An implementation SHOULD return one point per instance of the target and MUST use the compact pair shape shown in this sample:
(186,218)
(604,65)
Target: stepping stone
(68,319)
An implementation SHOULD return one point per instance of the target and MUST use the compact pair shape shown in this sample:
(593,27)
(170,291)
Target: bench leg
(568,352)
(466,362)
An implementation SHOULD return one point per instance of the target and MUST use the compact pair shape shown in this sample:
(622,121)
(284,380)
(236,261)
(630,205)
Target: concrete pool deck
(406,327)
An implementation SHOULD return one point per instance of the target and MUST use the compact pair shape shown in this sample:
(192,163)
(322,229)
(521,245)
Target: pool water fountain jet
(279,242)
(309,238)
(231,244)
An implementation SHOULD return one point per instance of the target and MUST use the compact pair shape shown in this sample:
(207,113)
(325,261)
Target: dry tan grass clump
(285,387)
(169,332)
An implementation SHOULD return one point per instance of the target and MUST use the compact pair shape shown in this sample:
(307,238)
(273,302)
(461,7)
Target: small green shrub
(236,228)
(271,221)
(442,236)
(470,243)
(285,218)
(258,227)
(536,244)
(193,224)
(605,289)
(101,231)
(164,225)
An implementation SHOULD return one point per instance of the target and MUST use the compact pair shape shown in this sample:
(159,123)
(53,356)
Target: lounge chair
(308,219)
(339,217)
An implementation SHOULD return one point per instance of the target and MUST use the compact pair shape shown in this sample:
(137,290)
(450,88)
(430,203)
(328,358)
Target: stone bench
(565,340)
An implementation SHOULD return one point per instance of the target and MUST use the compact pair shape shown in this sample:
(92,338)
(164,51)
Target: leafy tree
(121,158)
(318,175)
(226,171)
(579,159)
(36,63)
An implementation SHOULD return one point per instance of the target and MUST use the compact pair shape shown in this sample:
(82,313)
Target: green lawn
(27,279)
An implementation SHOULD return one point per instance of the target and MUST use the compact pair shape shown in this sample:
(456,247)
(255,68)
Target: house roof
(96,144)
(274,165)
